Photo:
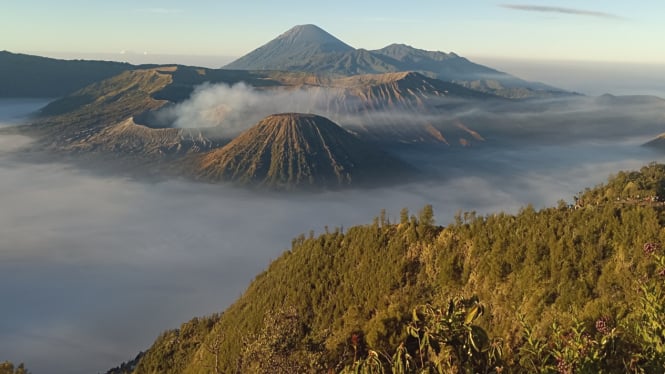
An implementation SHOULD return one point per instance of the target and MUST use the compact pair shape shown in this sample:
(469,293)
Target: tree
(404,216)
(8,368)
(426,216)
(213,348)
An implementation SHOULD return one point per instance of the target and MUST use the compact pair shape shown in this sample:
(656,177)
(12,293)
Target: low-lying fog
(93,268)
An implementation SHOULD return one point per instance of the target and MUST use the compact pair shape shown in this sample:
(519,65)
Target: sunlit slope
(297,44)
(102,117)
(96,117)
(556,264)
(292,150)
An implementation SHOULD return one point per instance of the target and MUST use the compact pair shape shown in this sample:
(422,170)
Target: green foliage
(450,342)
(634,346)
(174,350)
(576,349)
(649,328)
(550,279)
(634,187)
(126,367)
(369,365)
(282,346)
(8,368)
(442,340)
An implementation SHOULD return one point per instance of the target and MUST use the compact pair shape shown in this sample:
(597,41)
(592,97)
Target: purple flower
(603,325)
(650,248)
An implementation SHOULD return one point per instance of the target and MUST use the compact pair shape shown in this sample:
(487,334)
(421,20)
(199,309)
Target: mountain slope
(294,150)
(128,138)
(121,114)
(557,265)
(96,113)
(451,67)
(379,92)
(33,76)
(390,108)
(338,95)
(298,44)
(78,116)
(657,143)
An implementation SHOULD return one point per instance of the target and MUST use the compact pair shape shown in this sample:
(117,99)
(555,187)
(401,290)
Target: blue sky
(587,30)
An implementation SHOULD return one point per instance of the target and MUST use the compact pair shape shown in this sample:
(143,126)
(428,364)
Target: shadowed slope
(34,76)
(130,138)
(292,150)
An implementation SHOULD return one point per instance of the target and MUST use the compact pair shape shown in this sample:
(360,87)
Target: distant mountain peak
(308,48)
(298,44)
(399,46)
(409,48)
(312,34)
(403,52)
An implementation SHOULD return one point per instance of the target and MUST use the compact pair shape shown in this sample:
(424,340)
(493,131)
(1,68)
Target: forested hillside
(572,288)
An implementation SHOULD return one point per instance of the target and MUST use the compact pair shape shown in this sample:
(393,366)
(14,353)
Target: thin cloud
(561,10)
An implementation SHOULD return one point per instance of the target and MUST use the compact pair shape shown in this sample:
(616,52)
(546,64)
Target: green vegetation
(8,368)
(564,289)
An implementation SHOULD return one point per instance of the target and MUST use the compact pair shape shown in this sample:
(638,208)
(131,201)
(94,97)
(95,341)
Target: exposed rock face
(380,92)
(77,117)
(129,138)
(293,150)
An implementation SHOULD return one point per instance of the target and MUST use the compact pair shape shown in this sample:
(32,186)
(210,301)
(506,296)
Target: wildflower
(650,248)
(603,325)
(564,367)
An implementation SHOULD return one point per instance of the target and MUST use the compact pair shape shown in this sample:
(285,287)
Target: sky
(216,31)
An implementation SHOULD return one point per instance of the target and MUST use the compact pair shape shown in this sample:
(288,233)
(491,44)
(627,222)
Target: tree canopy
(562,289)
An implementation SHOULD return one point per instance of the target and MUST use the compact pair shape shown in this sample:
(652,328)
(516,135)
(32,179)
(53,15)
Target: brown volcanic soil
(293,150)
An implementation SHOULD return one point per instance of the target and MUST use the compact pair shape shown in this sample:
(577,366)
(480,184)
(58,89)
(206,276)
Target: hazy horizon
(586,77)
(564,29)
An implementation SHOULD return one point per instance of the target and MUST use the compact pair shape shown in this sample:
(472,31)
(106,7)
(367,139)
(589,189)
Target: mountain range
(120,116)
(381,101)
(309,48)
